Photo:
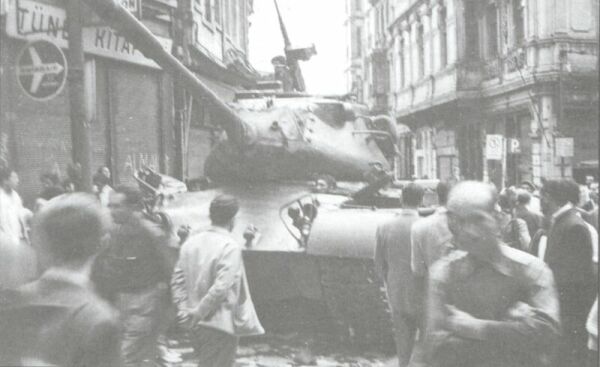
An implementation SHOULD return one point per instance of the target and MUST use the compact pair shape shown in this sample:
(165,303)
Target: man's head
(412,195)
(9,180)
(442,190)
(557,193)
(49,179)
(68,230)
(222,211)
(124,201)
(523,197)
(105,171)
(471,207)
(528,186)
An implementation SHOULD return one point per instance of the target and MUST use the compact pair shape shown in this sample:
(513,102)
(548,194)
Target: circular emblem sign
(41,70)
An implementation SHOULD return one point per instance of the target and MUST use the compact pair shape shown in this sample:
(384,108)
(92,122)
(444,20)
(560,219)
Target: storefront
(129,100)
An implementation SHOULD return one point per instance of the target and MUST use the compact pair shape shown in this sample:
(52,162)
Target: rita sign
(41,70)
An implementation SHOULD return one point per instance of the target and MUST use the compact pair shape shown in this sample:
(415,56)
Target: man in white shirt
(11,207)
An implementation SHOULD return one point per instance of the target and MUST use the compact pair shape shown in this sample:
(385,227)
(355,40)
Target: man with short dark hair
(58,320)
(134,272)
(489,304)
(569,254)
(211,291)
(392,262)
(534,220)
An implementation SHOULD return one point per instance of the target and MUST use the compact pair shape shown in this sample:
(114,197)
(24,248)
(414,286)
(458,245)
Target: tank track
(356,299)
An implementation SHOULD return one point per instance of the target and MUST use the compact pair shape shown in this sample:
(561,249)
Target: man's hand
(463,324)
(197,315)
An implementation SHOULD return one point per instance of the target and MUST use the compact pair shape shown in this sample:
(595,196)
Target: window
(443,38)
(226,16)
(217,12)
(207,10)
(518,22)
(358,51)
(235,20)
(472,32)
(420,51)
(491,19)
(401,75)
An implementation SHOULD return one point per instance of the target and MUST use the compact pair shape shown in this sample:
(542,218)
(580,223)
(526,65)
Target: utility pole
(182,25)
(80,134)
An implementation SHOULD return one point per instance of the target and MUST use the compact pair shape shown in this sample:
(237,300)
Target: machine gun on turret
(292,58)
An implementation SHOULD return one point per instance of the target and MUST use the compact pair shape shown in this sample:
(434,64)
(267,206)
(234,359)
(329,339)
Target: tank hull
(332,281)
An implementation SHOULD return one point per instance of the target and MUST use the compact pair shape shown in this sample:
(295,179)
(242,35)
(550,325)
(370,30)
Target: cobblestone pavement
(295,350)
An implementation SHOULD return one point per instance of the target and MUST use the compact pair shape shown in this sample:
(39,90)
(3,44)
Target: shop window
(419,140)
(443,38)
(491,23)
(518,22)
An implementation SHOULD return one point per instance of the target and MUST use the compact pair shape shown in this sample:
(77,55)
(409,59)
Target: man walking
(58,320)
(211,291)
(489,304)
(134,272)
(569,254)
(392,262)
(533,219)
(430,236)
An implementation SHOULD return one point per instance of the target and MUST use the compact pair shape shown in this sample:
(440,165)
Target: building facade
(129,99)
(354,25)
(500,90)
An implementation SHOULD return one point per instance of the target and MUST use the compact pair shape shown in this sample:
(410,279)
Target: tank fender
(348,233)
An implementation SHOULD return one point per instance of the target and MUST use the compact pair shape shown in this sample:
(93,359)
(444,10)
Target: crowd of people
(489,279)
(493,279)
(88,280)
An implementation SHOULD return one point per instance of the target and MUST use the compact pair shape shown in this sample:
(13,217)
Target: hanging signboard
(32,20)
(494,147)
(564,147)
(41,70)
(514,146)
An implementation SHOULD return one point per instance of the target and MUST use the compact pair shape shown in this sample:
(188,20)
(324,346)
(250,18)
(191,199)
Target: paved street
(297,350)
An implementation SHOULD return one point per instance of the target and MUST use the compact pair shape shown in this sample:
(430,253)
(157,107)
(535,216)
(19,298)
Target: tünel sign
(31,20)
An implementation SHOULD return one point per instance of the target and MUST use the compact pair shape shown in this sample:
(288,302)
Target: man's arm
(229,271)
(534,321)
(417,258)
(179,294)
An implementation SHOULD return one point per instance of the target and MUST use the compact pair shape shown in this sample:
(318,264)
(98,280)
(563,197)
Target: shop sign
(41,70)
(494,147)
(32,20)
(564,147)
(514,146)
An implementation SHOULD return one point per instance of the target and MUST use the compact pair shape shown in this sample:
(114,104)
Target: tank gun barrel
(142,38)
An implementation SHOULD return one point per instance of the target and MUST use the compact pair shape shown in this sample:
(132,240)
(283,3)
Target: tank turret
(278,136)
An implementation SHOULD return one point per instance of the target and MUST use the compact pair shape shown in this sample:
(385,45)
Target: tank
(313,178)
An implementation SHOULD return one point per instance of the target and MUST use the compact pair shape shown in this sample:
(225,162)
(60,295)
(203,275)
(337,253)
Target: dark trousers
(405,331)
(142,313)
(214,347)
(575,302)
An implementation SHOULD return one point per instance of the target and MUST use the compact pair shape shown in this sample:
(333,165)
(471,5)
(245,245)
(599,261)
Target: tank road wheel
(357,301)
